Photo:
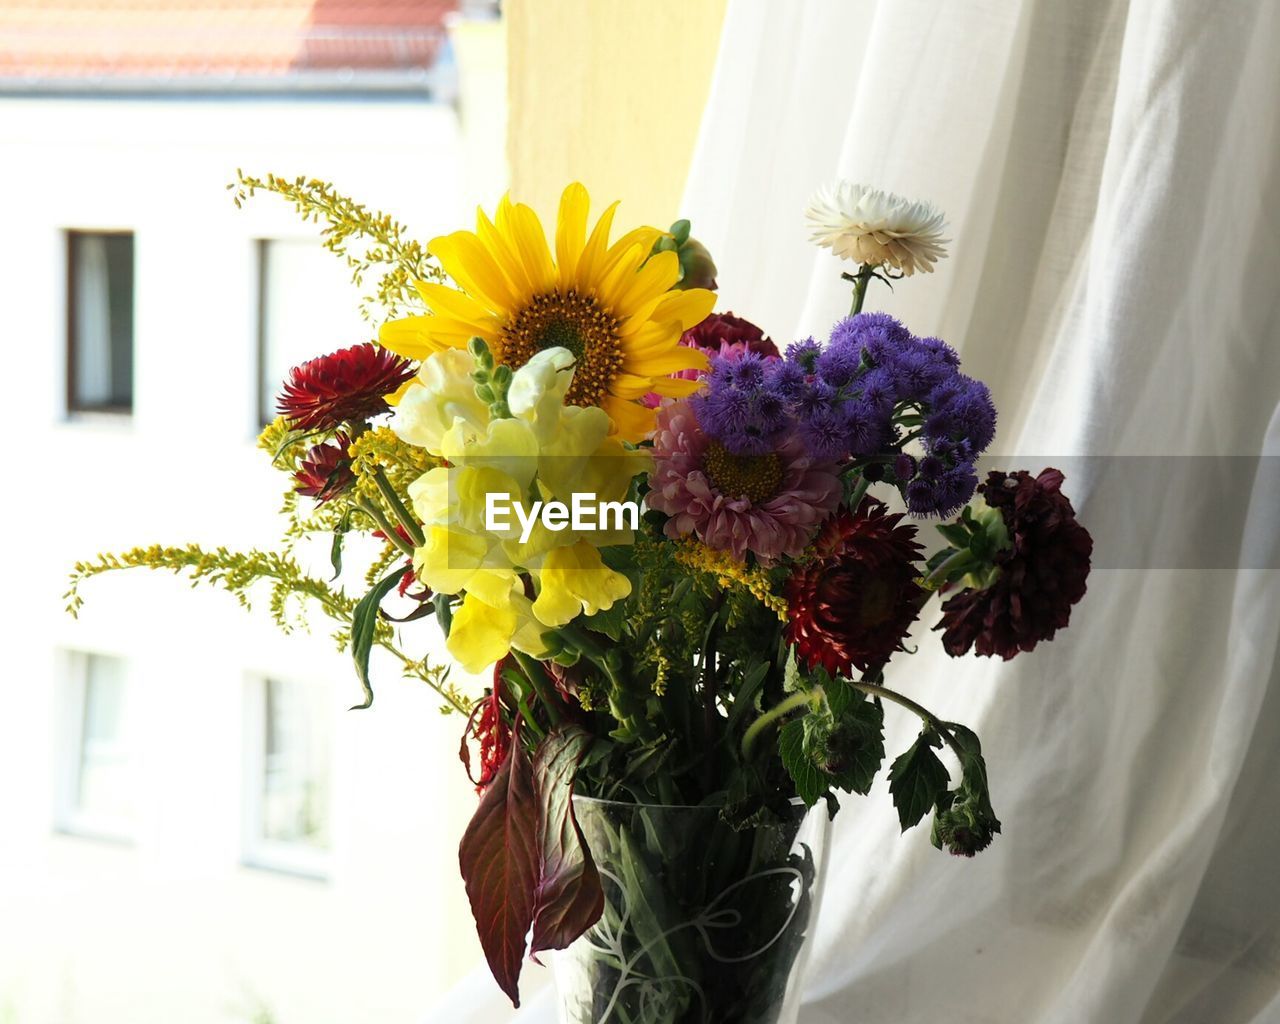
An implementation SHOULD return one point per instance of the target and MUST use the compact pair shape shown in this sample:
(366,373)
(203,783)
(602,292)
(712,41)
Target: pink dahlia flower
(770,504)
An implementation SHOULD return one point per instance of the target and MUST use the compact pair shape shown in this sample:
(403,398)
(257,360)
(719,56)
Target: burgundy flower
(1041,575)
(851,606)
(724,334)
(325,471)
(350,384)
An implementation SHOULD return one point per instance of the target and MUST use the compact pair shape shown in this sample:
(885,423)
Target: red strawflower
(853,603)
(1042,574)
(350,384)
(325,471)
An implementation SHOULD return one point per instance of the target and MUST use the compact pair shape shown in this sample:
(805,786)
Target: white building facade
(192,826)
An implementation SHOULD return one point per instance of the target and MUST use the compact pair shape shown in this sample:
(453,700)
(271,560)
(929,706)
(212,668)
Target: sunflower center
(754,477)
(572,321)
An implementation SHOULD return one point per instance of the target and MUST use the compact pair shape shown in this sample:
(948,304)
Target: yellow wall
(610,93)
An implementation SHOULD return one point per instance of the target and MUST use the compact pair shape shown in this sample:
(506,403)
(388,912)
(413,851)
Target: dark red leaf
(569,899)
(500,860)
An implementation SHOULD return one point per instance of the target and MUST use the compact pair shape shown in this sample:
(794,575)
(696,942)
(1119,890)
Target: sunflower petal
(630,421)
(675,387)
(571,229)
(410,337)
(593,253)
(690,307)
(650,281)
(679,358)
(446,301)
(504,253)
(469,262)
(522,227)
(630,385)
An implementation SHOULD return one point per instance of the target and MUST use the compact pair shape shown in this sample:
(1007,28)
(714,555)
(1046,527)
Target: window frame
(70,818)
(75,410)
(264,415)
(301,860)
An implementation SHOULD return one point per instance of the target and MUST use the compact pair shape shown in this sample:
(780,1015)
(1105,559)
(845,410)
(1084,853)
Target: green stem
(925,715)
(533,672)
(860,281)
(397,506)
(796,700)
(956,560)
(388,531)
(859,492)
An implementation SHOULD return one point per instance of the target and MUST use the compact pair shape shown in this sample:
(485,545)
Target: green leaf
(917,779)
(956,536)
(364,624)
(860,735)
(335,548)
(444,612)
(810,782)
(841,696)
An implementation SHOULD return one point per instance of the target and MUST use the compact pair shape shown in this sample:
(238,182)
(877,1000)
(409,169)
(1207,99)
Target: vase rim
(795,802)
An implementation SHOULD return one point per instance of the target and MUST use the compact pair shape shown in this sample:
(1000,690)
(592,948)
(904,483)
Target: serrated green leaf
(364,624)
(917,779)
(810,782)
(863,726)
(841,696)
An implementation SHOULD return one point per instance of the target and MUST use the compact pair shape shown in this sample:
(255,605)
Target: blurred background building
(192,826)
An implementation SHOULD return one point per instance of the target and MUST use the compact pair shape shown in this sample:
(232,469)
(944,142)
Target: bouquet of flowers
(681,554)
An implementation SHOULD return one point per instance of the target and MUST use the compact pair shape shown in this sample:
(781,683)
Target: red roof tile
(69,39)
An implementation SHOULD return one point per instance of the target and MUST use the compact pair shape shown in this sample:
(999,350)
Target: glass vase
(701,925)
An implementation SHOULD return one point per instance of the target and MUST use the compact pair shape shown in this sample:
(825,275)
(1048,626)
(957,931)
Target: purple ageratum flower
(721,334)
(743,406)
(803,354)
(879,391)
(825,434)
(878,336)
(960,409)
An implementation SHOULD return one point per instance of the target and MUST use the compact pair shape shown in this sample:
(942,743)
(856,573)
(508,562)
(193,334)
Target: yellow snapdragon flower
(544,451)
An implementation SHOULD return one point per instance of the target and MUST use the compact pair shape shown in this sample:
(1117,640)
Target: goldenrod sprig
(238,572)
(385,242)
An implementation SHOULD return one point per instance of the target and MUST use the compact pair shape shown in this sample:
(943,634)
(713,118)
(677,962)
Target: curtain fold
(1109,169)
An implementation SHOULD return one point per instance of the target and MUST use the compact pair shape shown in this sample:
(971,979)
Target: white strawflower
(874,227)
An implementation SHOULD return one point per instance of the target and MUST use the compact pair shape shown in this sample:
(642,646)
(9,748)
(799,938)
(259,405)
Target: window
(97,792)
(288,777)
(99,322)
(307,307)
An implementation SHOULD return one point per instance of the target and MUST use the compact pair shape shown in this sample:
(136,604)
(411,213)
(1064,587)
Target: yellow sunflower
(612,306)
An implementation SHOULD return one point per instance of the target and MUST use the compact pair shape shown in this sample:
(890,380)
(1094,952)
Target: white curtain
(1111,173)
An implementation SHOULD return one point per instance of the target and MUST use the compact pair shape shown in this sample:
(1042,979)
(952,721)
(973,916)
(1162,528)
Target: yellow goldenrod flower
(730,573)
(611,306)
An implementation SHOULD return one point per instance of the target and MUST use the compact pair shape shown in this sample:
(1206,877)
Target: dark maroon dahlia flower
(350,384)
(851,606)
(1041,576)
(325,471)
(725,334)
